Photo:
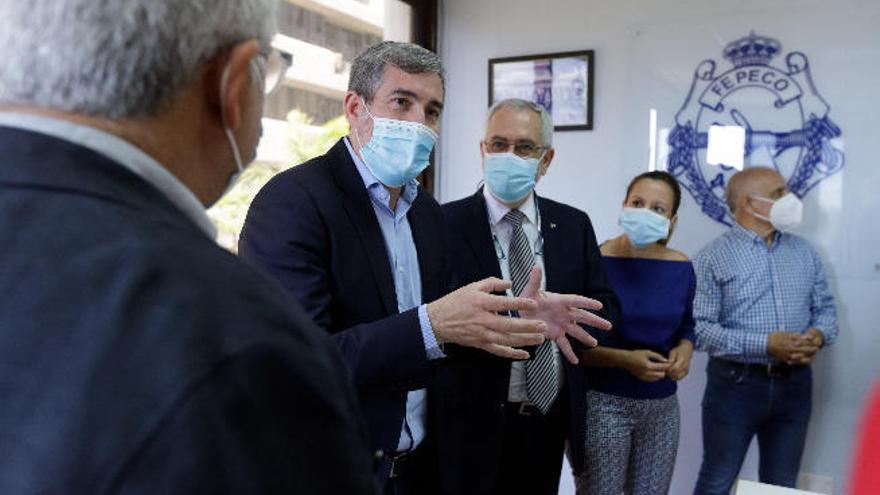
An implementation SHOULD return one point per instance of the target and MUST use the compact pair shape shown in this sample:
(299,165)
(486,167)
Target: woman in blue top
(632,409)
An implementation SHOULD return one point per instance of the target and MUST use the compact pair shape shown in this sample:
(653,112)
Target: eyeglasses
(270,69)
(525,149)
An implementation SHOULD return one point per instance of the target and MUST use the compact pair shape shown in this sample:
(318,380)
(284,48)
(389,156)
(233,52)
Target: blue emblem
(785,120)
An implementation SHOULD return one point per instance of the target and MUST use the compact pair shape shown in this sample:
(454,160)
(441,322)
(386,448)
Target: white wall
(646,53)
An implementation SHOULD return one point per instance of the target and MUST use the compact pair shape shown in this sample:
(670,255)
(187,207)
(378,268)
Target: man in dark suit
(352,236)
(136,356)
(505,425)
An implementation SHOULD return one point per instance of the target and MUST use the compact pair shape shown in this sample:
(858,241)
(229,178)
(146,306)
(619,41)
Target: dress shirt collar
(497,209)
(753,237)
(119,151)
(409,191)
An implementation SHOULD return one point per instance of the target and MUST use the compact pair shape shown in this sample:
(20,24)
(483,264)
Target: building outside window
(304,118)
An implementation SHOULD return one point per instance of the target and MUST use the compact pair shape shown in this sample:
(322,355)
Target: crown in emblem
(752,50)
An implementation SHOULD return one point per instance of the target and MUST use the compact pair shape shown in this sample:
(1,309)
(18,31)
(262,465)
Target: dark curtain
(424,33)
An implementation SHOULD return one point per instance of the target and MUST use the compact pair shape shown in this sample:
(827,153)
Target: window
(304,118)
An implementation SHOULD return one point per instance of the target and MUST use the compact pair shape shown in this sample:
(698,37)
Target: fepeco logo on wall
(781,119)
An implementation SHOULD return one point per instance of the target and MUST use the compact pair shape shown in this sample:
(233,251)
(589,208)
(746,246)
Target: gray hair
(118,58)
(368,68)
(520,104)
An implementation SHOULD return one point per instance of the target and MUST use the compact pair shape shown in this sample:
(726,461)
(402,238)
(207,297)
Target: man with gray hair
(355,240)
(136,356)
(524,411)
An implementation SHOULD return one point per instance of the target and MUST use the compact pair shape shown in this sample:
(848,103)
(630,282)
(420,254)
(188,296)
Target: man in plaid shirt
(763,311)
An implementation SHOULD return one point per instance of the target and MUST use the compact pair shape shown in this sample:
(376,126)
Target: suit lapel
(356,203)
(552,235)
(478,235)
(425,230)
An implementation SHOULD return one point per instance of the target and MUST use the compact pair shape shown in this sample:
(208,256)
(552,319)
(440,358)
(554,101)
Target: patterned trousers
(631,445)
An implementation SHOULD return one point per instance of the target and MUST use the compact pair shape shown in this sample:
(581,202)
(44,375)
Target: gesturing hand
(469,317)
(562,313)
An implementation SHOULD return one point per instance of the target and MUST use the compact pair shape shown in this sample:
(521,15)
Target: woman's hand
(646,365)
(680,360)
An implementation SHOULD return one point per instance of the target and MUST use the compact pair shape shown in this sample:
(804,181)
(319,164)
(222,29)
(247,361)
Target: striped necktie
(542,382)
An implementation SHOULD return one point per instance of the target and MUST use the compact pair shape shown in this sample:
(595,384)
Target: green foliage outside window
(304,141)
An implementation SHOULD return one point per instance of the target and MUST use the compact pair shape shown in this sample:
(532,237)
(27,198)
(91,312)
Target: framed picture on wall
(560,82)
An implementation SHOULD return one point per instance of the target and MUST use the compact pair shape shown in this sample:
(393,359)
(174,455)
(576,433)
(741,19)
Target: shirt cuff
(756,346)
(432,348)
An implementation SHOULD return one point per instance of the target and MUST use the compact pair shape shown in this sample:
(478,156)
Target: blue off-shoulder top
(656,299)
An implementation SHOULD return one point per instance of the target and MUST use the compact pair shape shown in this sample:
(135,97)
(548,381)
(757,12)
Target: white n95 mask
(785,214)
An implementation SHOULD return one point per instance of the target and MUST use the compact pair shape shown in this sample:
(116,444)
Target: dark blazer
(136,356)
(474,386)
(314,230)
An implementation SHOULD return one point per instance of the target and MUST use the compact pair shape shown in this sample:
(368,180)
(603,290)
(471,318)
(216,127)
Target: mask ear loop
(762,217)
(541,158)
(224,81)
(755,213)
(357,135)
(670,229)
(538,169)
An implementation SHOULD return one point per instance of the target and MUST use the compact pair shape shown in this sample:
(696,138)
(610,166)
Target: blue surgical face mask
(509,177)
(643,226)
(398,150)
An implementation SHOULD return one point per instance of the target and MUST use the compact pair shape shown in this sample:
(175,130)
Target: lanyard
(499,249)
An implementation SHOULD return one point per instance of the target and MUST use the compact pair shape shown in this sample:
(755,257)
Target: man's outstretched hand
(562,313)
(470,317)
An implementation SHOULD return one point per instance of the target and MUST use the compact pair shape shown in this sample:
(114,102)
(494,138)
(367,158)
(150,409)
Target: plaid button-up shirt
(746,290)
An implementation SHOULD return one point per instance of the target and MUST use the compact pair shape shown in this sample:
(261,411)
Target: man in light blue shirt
(763,311)
(404,264)
(351,236)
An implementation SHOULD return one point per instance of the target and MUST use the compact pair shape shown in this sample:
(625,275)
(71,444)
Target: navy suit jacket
(474,386)
(136,356)
(314,230)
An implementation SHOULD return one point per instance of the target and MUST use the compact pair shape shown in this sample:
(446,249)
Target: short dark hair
(664,177)
(368,68)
